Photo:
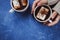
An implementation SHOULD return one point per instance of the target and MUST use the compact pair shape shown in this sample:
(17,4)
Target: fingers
(40,3)
(52,17)
(34,5)
(54,22)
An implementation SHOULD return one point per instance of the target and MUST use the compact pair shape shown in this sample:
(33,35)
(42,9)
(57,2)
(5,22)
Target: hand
(56,19)
(38,3)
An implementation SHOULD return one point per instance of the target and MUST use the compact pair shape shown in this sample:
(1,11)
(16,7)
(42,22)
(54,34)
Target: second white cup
(48,19)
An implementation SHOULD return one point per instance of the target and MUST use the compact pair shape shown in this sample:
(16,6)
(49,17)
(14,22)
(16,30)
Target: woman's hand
(38,3)
(55,21)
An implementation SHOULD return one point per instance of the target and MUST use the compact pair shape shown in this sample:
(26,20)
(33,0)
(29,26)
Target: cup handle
(50,21)
(11,10)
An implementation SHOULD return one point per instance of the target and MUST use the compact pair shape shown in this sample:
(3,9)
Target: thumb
(40,3)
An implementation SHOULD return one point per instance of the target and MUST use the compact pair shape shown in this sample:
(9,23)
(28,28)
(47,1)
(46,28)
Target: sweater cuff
(57,8)
(52,2)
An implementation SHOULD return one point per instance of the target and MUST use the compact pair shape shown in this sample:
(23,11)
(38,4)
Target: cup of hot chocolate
(19,5)
(43,13)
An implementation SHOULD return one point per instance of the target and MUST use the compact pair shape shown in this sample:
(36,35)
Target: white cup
(13,9)
(46,19)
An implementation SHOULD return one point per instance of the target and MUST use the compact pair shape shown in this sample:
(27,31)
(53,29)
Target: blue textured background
(23,26)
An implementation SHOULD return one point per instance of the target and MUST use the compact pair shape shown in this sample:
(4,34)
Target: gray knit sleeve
(51,2)
(57,7)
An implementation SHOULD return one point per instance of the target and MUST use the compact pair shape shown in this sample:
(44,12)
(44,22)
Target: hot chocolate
(19,4)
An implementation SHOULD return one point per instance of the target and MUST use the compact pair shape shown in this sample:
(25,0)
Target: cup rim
(19,10)
(46,19)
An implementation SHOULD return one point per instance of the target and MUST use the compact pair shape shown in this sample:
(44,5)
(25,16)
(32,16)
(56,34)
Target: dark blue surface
(23,26)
